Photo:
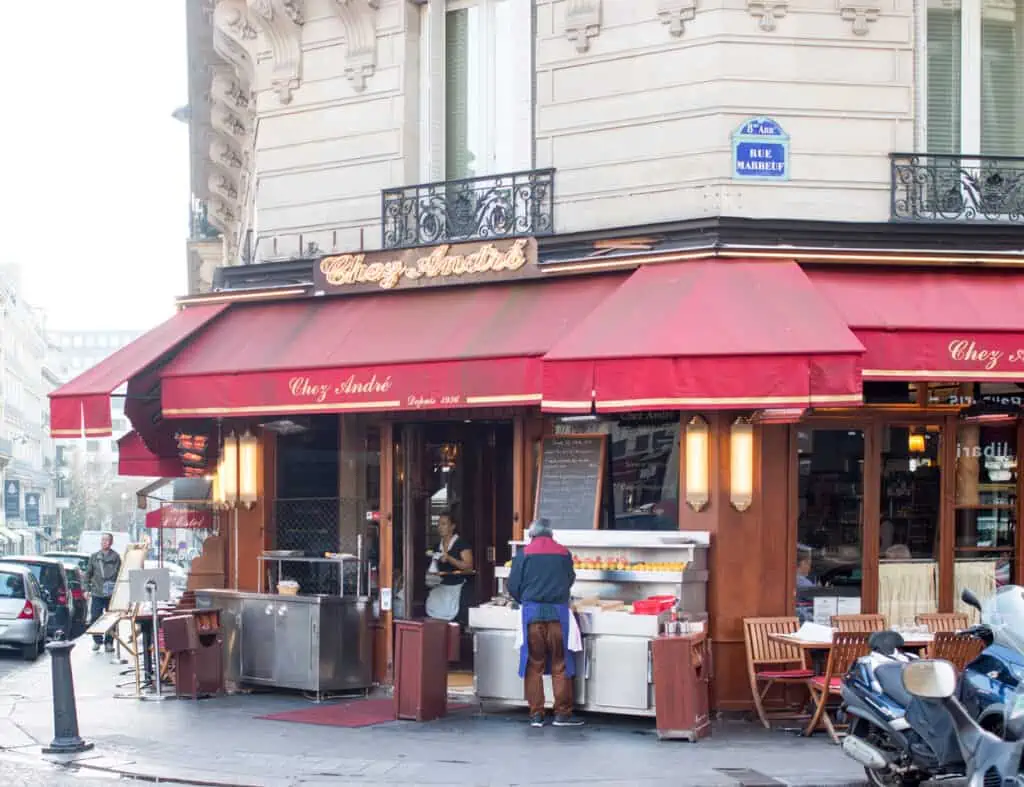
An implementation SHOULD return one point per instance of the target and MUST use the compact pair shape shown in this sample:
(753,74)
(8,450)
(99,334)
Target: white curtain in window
(944,74)
(1001,79)
(978,576)
(906,590)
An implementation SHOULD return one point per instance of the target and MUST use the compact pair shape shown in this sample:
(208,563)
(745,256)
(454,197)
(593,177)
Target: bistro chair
(956,647)
(771,663)
(847,647)
(859,623)
(942,621)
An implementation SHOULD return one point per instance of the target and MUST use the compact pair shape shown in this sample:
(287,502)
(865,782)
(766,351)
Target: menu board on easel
(572,469)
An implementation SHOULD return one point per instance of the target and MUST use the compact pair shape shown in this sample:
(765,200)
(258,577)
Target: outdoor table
(809,648)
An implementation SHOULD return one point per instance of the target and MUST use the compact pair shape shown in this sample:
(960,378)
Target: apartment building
(763,257)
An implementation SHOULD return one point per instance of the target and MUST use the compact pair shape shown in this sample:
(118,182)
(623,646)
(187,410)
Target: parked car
(80,559)
(53,579)
(23,612)
(80,603)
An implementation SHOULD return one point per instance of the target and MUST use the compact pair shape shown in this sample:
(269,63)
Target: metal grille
(511,205)
(930,187)
(316,525)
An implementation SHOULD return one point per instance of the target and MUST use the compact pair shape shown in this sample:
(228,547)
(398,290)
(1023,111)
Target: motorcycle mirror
(970,599)
(930,678)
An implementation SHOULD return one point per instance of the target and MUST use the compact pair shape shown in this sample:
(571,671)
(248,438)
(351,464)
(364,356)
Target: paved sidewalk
(219,742)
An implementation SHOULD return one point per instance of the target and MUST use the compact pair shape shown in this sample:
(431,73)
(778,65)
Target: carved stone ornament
(768,12)
(224,153)
(860,15)
(223,185)
(359,20)
(582,22)
(281,23)
(676,13)
(226,89)
(221,215)
(227,122)
(234,39)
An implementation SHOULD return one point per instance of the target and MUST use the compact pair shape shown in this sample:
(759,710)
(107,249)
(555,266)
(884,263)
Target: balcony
(927,187)
(200,227)
(475,209)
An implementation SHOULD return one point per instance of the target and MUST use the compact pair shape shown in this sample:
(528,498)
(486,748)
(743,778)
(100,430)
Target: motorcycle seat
(890,678)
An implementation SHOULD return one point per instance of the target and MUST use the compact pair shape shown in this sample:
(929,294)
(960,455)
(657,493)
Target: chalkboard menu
(569,487)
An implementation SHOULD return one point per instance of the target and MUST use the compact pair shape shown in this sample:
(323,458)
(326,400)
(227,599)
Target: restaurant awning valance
(709,334)
(135,459)
(82,406)
(422,350)
(932,325)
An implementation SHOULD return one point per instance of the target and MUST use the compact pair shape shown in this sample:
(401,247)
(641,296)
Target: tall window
(975,77)
(478,92)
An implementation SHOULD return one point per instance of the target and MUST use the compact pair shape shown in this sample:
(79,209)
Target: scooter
(990,680)
(900,740)
(988,760)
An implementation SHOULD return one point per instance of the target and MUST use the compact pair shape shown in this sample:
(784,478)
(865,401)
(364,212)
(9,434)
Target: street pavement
(221,742)
(29,772)
(11,662)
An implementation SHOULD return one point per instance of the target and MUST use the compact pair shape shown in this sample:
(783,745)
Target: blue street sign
(12,499)
(760,151)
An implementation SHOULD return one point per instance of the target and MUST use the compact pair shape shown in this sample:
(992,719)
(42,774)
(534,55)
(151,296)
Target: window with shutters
(975,77)
(478,88)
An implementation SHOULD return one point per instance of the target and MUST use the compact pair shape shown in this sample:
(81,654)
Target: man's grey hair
(540,527)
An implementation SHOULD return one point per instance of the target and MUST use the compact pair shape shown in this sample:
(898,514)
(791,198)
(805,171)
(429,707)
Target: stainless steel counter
(311,643)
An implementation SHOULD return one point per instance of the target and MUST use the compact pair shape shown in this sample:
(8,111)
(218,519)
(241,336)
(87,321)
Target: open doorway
(462,469)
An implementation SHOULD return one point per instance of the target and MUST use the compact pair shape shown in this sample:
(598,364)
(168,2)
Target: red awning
(932,325)
(135,459)
(82,406)
(710,334)
(428,349)
(173,516)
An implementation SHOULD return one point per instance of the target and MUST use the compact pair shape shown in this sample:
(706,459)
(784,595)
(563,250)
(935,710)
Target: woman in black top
(454,552)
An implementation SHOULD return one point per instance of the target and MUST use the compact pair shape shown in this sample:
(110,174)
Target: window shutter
(944,70)
(1000,82)
(458,157)
(513,85)
(432,105)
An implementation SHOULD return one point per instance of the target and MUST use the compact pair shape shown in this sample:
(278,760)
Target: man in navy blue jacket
(540,580)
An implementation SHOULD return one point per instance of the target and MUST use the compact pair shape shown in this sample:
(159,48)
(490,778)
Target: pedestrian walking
(540,580)
(100,579)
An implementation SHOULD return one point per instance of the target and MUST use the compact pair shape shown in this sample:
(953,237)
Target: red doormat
(358,713)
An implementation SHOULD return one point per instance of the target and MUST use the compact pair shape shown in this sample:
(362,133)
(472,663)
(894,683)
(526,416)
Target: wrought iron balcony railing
(948,188)
(488,208)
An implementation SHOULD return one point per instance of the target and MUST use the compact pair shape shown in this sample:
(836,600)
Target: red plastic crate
(654,605)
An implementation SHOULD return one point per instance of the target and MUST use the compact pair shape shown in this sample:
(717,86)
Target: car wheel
(30,652)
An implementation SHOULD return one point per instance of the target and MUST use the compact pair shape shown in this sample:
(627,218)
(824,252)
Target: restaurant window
(974,78)
(829,522)
(911,495)
(986,507)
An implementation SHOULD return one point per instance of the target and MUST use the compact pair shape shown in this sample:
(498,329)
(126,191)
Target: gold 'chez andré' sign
(441,265)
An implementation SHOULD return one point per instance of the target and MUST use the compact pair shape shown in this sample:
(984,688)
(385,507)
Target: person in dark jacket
(100,578)
(541,578)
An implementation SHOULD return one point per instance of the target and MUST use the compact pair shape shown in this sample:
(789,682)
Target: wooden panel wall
(752,561)
(255,525)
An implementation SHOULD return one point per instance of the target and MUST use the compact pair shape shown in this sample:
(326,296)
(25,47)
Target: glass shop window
(643,472)
(986,507)
(911,496)
(830,523)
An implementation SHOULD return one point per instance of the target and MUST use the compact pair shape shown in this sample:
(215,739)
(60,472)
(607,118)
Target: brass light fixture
(741,464)
(698,493)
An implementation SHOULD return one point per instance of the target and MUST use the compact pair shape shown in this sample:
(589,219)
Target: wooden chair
(960,649)
(847,647)
(943,621)
(771,663)
(859,623)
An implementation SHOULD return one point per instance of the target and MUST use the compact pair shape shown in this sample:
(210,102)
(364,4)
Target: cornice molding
(768,12)
(676,13)
(234,39)
(281,22)
(582,22)
(859,15)
(359,18)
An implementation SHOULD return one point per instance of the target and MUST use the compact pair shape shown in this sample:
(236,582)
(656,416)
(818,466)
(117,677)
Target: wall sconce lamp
(741,464)
(248,469)
(915,443)
(237,478)
(697,482)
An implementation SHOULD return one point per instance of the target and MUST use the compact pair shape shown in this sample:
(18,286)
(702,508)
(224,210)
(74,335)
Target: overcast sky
(94,204)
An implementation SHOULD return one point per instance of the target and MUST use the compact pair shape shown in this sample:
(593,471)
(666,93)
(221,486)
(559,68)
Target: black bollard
(65,711)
